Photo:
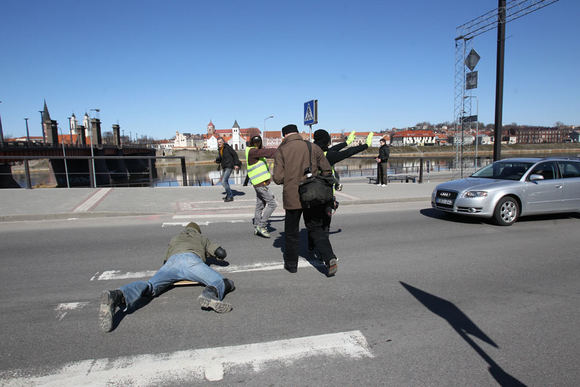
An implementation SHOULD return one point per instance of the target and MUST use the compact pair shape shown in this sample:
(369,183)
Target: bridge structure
(80,159)
(79,166)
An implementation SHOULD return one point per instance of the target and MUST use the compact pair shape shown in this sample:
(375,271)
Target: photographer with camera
(293,162)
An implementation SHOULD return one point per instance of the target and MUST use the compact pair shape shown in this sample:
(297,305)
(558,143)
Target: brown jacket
(290,161)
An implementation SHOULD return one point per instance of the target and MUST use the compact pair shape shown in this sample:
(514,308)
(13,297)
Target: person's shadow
(310,256)
(235,192)
(464,328)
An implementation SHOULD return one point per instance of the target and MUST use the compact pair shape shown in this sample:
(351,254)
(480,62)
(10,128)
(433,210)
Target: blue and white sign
(311,112)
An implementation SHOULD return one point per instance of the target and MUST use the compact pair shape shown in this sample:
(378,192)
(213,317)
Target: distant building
(236,137)
(538,135)
(272,139)
(414,137)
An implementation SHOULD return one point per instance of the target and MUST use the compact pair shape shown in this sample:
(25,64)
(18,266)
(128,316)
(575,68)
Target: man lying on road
(185,260)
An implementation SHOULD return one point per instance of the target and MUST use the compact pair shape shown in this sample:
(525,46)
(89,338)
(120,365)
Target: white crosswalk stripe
(182,366)
(260,266)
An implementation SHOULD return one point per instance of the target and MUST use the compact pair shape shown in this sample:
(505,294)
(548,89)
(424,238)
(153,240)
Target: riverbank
(514,150)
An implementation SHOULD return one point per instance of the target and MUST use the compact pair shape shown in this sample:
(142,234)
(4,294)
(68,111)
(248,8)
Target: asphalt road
(420,299)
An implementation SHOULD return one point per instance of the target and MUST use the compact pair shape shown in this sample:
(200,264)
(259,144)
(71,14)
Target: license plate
(444,201)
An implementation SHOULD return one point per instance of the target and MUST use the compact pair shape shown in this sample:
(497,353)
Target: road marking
(183,366)
(92,200)
(228,215)
(261,266)
(63,309)
(342,194)
(205,216)
(205,223)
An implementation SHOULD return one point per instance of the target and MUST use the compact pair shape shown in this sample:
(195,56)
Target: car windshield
(504,170)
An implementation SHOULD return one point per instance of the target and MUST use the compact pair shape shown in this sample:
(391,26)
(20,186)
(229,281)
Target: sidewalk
(59,203)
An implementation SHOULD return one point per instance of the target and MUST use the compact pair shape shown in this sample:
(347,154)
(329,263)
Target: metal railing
(147,173)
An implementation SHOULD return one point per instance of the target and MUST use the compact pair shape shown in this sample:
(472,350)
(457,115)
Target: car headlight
(475,194)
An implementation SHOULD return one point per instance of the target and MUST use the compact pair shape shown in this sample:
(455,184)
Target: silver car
(510,188)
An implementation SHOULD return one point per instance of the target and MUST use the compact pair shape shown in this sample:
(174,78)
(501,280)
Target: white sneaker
(383,185)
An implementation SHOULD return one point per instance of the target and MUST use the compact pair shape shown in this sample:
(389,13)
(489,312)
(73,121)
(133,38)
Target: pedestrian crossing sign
(311,112)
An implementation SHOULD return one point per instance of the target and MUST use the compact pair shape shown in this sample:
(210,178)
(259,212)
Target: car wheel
(506,211)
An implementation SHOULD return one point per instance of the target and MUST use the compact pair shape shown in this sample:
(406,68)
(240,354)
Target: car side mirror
(536,177)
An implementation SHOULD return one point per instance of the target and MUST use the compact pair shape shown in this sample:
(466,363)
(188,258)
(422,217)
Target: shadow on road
(464,327)
(310,256)
(436,214)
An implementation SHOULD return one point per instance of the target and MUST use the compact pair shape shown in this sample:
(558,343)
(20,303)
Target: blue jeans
(183,266)
(225,182)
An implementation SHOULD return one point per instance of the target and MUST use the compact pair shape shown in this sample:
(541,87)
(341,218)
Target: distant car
(510,188)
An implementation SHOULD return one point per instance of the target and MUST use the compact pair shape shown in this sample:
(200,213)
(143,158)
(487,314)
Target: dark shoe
(332,266)
(110,300)
(209,300)
(291,269)
(229,199)
(229,286)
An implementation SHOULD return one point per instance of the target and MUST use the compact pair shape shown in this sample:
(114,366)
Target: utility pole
(499,80)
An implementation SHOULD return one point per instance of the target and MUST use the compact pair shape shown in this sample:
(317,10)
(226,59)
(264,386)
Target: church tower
(210,129)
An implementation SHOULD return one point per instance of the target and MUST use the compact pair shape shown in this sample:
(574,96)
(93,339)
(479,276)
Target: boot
(209,300)
(229,286)
(110,300)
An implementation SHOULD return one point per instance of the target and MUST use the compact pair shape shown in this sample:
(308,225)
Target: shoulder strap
(309,153)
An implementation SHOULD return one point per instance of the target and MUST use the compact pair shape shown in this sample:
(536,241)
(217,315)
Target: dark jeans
(314,220)
(382,173)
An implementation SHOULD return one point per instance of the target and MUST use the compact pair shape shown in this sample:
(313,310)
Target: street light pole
(92,151)
(1,132)
(267,118)
(27,133)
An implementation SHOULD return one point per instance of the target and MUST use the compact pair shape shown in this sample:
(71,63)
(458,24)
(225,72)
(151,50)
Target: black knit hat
(289,129)
(321,137)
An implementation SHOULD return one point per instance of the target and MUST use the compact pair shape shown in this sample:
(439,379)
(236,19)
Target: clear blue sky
(160,66)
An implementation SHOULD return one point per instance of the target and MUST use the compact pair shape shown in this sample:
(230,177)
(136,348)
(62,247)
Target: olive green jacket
(190,240)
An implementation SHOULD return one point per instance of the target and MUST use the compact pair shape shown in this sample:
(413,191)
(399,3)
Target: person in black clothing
(228,159)
(334,155)
(382,159)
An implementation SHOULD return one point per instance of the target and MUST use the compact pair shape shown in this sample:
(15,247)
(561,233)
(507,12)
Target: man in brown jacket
(184,260)
(291,160)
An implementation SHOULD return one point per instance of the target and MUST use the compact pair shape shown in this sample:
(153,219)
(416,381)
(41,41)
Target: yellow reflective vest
(259,171)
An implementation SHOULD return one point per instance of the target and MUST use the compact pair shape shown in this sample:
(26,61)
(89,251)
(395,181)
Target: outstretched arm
(335,157)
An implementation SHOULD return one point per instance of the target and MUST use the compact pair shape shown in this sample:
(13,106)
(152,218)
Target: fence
(132,176)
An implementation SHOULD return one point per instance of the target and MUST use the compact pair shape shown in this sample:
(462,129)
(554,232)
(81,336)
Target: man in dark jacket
(292,160)
(382,159)
(184,260)
(228,159)
(335,155)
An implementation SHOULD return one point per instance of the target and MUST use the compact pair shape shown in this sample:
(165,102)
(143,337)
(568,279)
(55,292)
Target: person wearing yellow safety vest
(260,177)
(335,155)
